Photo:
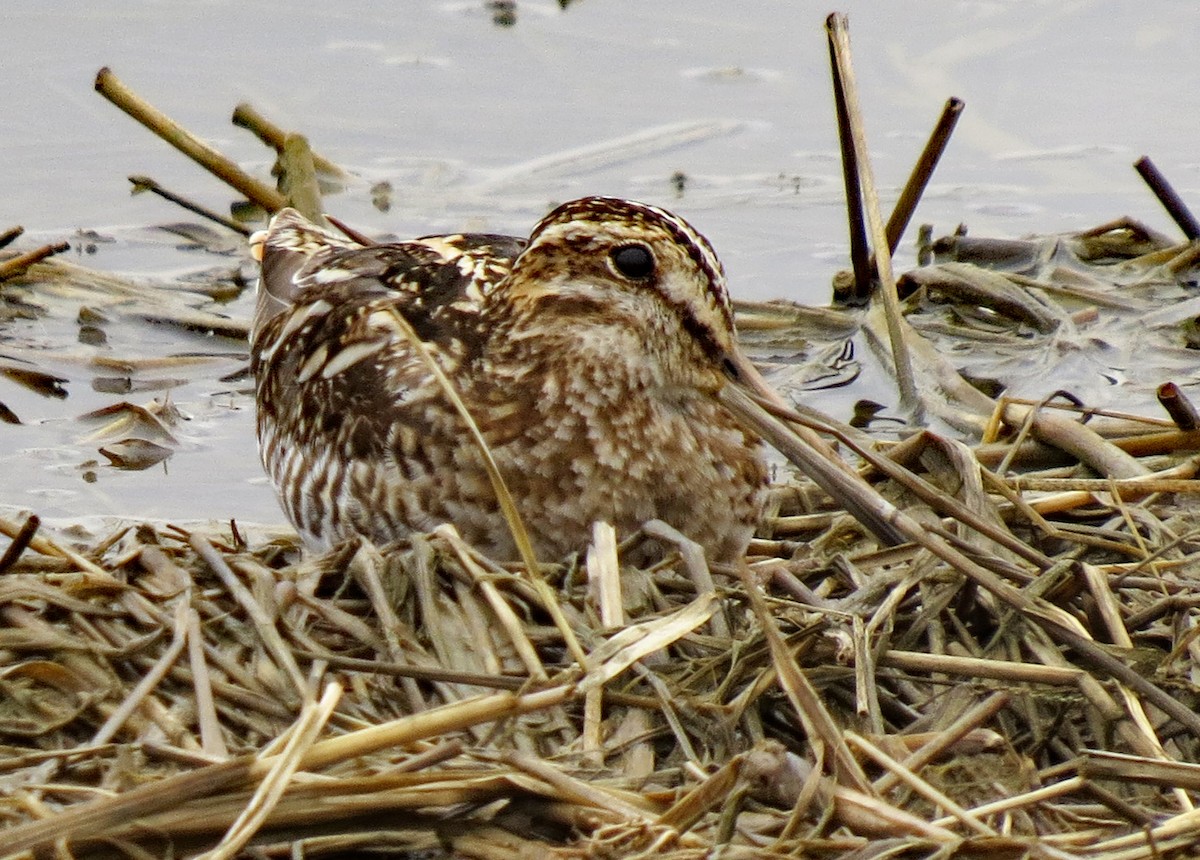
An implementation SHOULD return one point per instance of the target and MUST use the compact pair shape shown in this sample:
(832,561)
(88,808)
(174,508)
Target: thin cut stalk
(20,542)
(211,740)
(1100,764)
(145,183)
(978,667)
(922,172)
(1179,406)
(507,504)
(1168,197)
(918,785)
(860,252)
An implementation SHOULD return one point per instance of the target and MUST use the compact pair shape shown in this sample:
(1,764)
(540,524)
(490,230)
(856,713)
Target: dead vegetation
(1005,668)
(167,691)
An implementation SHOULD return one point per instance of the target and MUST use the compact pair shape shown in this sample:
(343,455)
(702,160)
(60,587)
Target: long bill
(805,449)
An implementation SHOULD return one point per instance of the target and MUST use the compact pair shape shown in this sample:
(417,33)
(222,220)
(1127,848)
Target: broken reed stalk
(1168,197)
(8,236)
(1059,625)
(145,183)
(860,500)
(922,171)
(245,116)
(20,542)
(1179,407)
(113,89)
(93,818)
(17,265)
(839,44)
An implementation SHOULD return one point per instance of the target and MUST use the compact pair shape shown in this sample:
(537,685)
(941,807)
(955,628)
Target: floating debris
(135,454)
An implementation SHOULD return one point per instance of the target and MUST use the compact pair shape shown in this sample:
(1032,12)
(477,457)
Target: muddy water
(483,126)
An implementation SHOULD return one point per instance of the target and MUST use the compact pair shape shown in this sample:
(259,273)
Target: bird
(589,355)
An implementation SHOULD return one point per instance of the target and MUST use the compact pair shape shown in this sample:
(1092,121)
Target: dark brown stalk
(1179,407)
(922,171)
(860,252)
(7,237)
(1168,197)
(838,30)
(20,542)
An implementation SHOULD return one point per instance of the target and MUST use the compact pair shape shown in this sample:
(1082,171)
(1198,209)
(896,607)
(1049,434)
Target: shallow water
(482,127)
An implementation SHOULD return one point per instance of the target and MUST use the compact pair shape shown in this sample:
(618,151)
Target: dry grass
(179,692)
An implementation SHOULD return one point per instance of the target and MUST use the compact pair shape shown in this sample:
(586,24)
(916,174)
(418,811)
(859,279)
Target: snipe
(589,356)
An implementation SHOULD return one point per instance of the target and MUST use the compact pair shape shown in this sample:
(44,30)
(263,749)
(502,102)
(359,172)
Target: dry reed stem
(839,36)
(149,681)
(263,623)
(819,726)
(923,788)
(504,498)
(503,613)
(275,782)
(113,89)
(18,265)
(978,667)
(247,117)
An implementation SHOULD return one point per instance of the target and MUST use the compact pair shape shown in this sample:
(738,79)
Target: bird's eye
(633,261)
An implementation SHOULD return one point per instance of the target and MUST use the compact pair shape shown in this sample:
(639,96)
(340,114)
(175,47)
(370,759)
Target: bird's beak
(742,371)
(745,399)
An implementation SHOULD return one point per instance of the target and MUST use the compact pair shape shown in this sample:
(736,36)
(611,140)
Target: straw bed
(171,691)
(1014,677)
